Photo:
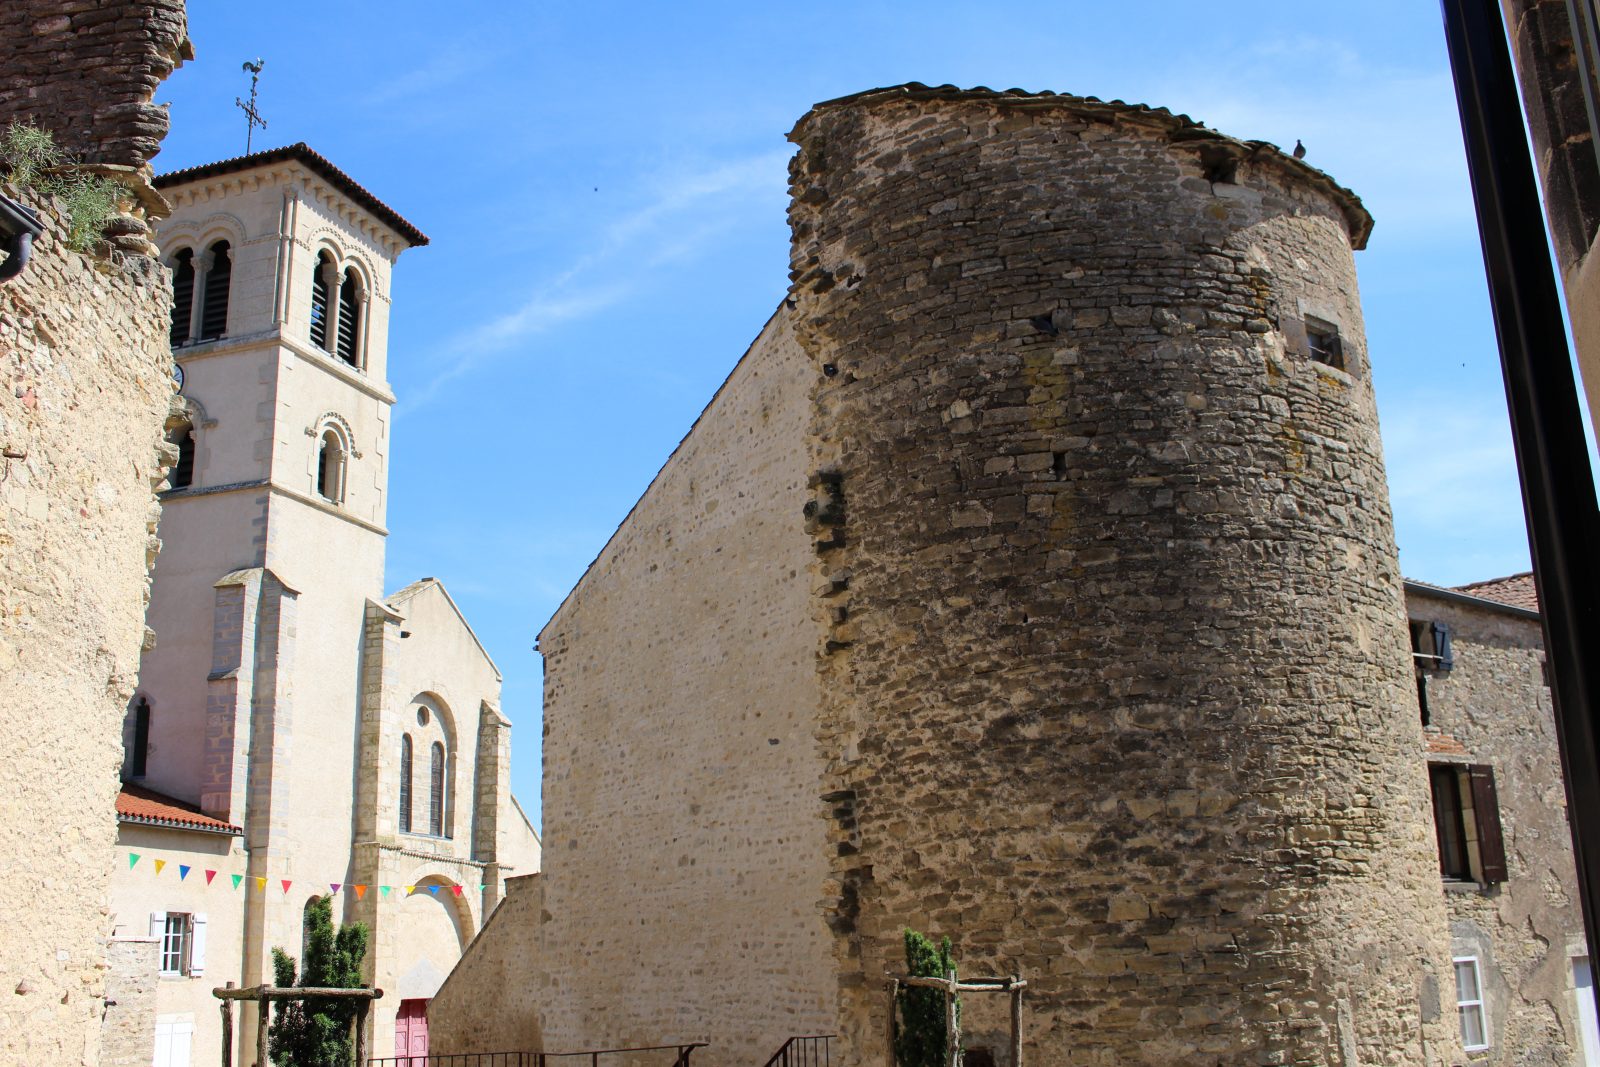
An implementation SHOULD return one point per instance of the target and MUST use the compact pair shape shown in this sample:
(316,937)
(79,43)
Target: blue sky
(604,186)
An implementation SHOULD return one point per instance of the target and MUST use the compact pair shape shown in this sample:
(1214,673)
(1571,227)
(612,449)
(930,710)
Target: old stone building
(295,732)
(1031,581)
(1524,985)
(83,344)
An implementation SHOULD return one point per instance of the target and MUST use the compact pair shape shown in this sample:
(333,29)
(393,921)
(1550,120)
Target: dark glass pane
(436,797)
(405,783)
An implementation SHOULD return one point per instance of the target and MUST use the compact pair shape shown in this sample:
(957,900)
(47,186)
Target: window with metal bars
(349,319)
(405,783)
(214,295)
(319,300)
(436,792)
(182,296)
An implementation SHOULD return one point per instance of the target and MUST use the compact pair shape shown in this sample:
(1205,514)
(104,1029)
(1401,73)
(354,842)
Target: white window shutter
(158,924)
(197,945)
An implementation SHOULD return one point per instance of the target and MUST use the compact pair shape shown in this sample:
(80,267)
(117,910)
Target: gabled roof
(394,600)
(1517,590)
(302,153)
(136,804)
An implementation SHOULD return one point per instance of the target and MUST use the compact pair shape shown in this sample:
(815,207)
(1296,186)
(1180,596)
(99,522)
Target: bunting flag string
(286,884)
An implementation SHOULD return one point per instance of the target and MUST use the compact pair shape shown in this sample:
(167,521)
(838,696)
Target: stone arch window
(218,277)
(139,748)
(181,434)
(436,791)
(347,341)
(305,926)
(405,783)
(322,280)
(182,296)
(332,458)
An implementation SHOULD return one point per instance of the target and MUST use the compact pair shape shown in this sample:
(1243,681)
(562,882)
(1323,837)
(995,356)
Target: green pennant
(383,892)
(237,878)
(133,860)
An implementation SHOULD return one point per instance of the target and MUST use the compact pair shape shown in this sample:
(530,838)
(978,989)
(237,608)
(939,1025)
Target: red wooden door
(411,1031)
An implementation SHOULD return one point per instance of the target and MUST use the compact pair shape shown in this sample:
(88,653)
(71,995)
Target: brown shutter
(1486,811)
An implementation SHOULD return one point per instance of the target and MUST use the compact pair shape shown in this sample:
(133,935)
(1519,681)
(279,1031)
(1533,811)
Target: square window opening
(1323,340)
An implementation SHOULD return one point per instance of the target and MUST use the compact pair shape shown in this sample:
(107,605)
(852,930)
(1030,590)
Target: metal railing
(682,1053)
(804,1050)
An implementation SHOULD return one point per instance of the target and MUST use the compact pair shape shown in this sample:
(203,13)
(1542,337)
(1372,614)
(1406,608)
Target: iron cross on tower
(252,116)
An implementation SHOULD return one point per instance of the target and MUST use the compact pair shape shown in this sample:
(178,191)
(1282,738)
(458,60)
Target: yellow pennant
(410,889)
(261,885)
(160,864)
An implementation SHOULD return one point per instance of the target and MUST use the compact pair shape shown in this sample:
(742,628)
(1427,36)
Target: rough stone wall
(128,1029)
(87,69)
(88,383)
(1111,671)
(504,958)
(1493,708)
(684,849)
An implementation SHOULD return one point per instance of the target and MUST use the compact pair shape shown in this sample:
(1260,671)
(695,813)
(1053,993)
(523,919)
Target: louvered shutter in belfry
(182,296)
(214,299)
(1486,812)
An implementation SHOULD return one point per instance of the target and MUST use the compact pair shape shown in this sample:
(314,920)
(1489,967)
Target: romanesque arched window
(214,292)
(319,300)
(348,342)
(182,296)
(331,453)
(436,792)
(182,435)
(405,783)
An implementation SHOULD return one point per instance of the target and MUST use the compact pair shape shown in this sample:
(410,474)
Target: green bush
(33,161)
(920,1039)
(315,1032)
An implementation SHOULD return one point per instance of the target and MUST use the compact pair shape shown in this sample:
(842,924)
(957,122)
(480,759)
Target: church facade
(295,732)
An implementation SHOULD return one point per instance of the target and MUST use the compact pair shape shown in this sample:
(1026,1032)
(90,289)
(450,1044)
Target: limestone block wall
(128,1030)
(503,958)
(1492,707)
(84,350)
(684,849)
(1114,645)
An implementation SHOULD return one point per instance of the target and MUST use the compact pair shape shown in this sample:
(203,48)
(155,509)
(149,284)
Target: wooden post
(1016,1023)
(262,1017)
(952,1036)
(894,998)
(361,1032)
(227,1031)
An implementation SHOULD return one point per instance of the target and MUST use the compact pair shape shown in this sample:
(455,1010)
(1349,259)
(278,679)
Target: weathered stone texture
(1112,697)
(490,1002)
(87,69)
(128,1028)
(1493,708)
(684,851)
(88,385)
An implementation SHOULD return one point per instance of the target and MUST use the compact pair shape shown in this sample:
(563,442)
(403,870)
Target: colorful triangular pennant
(237,878)
(333,887)
(434,889)
(383,892)
(286,884)
(160,864)
(133,860)
(457,889)
(261,885)
(361,892)
(210,874)
(410,889)
(183,871)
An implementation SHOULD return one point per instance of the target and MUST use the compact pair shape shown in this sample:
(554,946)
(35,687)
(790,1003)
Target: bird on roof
(1299,149)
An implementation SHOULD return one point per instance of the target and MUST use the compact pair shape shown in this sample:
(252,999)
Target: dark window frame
(405,783)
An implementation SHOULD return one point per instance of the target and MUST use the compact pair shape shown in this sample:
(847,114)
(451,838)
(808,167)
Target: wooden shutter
(1441,647)
(1486,812)
(158,925)
(319,305)
(214,297)
(197,944)
(345,343)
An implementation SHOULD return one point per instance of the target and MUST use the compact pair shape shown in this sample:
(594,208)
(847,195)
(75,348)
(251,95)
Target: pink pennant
(333,887)
(286,884)
(210,874)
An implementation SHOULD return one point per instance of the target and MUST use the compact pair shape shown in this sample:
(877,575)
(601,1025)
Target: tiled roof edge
(1445,593)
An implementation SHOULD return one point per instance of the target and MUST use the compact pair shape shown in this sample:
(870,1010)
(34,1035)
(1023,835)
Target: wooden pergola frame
(951,986)
(266,994)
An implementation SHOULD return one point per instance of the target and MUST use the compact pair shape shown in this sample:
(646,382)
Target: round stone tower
(1116,678)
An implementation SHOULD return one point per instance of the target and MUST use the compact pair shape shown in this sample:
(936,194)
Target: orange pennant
(361,891)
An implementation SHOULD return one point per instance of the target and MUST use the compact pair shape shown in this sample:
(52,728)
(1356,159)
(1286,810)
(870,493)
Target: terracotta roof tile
(1516,589)
(302,153)
(140,805)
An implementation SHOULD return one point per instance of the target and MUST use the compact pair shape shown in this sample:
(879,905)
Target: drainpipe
(18,228)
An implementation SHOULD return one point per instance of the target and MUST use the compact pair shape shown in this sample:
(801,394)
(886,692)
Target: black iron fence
(593,1057)
(808,1050)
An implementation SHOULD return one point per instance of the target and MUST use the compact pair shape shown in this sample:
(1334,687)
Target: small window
(405,783)
(138,753)
(1431,647)
(214,294)
(330,467)
(319,300)
(436,792)
(1323,339)
(349,319)
(182,296)
(182,476)
(1469,1005)
(1466,821)
(176,942)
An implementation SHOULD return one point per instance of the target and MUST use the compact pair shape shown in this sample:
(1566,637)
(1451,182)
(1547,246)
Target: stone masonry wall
(1115,641)
(1493,708)
(87,69)
(128,1030)
(684,850)
(88,384)
(490,1002)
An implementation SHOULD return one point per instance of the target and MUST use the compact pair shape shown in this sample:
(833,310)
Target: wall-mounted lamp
(18,228)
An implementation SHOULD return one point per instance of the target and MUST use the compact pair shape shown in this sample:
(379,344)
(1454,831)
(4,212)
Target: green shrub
(33,161)
(920,1039)
(315,1032)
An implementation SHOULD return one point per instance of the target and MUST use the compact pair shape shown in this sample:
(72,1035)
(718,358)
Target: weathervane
(252,116)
